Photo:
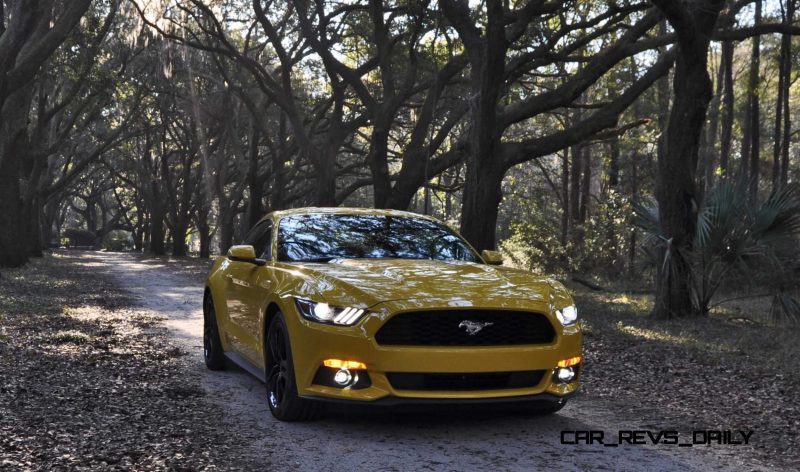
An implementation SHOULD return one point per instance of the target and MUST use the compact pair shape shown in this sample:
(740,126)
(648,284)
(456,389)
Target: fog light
(565,374)
(343,377)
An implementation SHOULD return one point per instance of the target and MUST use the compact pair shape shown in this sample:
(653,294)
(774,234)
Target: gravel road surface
(463,439)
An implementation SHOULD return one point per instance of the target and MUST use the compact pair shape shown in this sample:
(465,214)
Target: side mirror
(492,257)
(245,253)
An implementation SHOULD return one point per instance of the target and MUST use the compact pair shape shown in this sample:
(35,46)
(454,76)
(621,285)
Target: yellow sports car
(385,307)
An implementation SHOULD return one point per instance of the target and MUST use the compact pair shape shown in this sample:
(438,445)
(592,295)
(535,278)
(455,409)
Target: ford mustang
(386,307)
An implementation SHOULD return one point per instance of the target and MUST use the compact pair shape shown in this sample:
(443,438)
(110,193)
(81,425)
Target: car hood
(451,283)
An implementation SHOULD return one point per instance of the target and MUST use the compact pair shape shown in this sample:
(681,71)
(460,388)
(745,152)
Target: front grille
(465,382)
(452,327)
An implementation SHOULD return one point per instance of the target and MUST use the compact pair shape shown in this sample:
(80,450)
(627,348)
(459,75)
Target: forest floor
(101,367)
(733,370)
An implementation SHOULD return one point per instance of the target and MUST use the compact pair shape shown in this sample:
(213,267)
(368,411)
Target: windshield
(322,237)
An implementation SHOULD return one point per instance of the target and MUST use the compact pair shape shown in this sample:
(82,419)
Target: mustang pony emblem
(473,327)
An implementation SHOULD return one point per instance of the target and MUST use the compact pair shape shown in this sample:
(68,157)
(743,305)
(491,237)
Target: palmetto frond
(732,237)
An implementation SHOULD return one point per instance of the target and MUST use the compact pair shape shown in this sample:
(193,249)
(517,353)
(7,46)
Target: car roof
(345,211)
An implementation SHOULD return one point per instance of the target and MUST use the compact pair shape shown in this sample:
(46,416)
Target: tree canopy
(172,126)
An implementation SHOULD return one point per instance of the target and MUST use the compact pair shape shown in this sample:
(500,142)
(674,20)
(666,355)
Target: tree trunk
(485,162)
(565,196)
(750,131)
(13,154)
(677,164)
(755,116)
(480,205)
(326,178)
(379,163)
(33,212)
(787,117)
(575,185)
(709,160)
(225,228)
(255,206)
(12,247)
(278,171)
(613,163)
(727,106)
(140,227)
(634,197)
(157,231)
(663,97)
(782,88)
(586,185)
(49,216)
(205,235)
(179,238)
(613,184)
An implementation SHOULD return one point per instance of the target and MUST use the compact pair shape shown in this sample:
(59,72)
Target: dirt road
(460,440)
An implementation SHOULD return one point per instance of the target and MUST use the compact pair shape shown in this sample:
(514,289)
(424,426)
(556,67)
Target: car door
(261,283)
(246,295)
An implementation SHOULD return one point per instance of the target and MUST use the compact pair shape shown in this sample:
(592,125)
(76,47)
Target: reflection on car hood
(473,284)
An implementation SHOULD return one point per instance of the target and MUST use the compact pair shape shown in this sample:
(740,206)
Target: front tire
(212,346)
(282,397)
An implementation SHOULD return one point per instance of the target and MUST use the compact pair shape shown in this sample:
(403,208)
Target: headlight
(323,313)
(568,315)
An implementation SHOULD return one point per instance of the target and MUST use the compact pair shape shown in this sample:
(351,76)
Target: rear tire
(212,346)
(282,397)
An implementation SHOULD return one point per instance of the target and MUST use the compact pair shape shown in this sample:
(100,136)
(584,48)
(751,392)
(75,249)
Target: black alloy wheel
(212,346)
(282,397)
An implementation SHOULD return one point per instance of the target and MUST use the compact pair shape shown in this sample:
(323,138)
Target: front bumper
(312,343)
(409,401)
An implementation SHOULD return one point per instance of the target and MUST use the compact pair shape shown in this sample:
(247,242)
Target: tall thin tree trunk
(586,185)
(613,163)
(782,89)
(727,106)
(663,97)
(575,183)
(709,159)
(613,184)
(787,117)
(565,196)
(751,130)
(204,230)
(255,208)
(634,197)
(225,227)
(157,230)
(34,215)
(576,153)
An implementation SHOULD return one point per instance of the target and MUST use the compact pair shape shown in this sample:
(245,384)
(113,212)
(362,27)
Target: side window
(260,237)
